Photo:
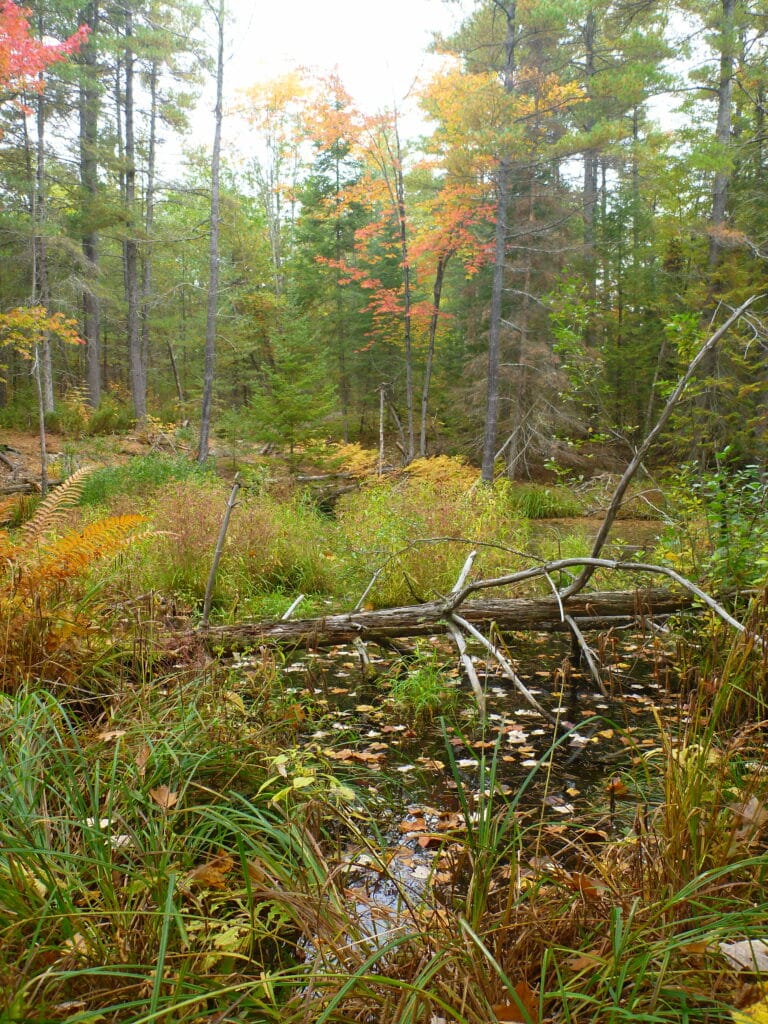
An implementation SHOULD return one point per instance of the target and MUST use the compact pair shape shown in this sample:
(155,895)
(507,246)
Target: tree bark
(131,246)
(402,227)
(437,292)
(89,185)
(213,254)
(500,251)
(597,610)
(722,130)
(149,215)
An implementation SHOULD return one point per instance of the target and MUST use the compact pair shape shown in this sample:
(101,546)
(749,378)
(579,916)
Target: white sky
(379,46)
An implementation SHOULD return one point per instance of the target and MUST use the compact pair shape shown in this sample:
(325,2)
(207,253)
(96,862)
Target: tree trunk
(41,256)
(598,610)
(589,192)
(136,368)
(89,184)
(437,291)
(722,131)
(213,281)
(149,213)
(500,251)
(407,299)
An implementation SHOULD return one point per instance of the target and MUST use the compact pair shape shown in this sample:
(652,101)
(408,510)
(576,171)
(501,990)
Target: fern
(46,630)
(50,513)
(71,555)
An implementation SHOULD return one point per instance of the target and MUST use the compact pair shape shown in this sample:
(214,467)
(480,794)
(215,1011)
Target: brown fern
(71,555)
(51,512)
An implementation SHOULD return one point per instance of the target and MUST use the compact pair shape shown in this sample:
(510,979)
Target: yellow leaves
(71,555)
(27,326)
(757,1013)
(443,471)
(476,117)
(356,460)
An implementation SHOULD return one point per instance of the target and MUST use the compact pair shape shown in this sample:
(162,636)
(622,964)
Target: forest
(383,533)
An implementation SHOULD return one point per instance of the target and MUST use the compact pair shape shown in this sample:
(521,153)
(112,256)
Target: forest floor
(294,836)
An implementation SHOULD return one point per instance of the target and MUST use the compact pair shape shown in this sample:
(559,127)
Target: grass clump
(537,501)
(141,477)
(422,691)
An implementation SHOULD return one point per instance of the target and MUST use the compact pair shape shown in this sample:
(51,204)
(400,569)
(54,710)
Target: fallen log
(596,610)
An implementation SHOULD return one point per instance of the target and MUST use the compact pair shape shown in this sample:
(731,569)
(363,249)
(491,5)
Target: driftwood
(596,610)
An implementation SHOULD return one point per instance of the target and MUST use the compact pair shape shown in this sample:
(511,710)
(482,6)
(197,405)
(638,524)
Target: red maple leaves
(22,57)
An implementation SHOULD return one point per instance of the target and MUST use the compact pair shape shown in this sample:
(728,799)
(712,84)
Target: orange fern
(69,556)
(44,633)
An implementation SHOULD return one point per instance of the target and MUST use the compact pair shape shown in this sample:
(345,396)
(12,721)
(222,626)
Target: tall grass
(179,860)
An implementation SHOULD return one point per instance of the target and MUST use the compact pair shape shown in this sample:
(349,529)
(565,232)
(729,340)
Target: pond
(421,775)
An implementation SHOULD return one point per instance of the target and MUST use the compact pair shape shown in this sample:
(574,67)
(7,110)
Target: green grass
(181,859)
(141,477)
(421,691)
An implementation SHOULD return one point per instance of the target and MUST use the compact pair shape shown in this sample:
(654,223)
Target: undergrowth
(175,851)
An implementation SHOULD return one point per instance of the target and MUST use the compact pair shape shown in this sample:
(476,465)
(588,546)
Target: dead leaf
(111,734)
(583,962)
(211,874)
(526,1013)
(617,788)
(417,825)
(163,797)
(429,842)
(749,955)
(696,948)
(141,760)
(589,887)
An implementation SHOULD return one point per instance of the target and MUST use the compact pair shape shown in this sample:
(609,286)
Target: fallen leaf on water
(211,874)
(418,825)
(429,842)
(528,1010)
(163,797)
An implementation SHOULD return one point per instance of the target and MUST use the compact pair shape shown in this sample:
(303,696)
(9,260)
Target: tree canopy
(520,256)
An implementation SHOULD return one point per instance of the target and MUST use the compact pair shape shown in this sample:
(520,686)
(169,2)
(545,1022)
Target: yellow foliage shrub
(355,459)
(444,471)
